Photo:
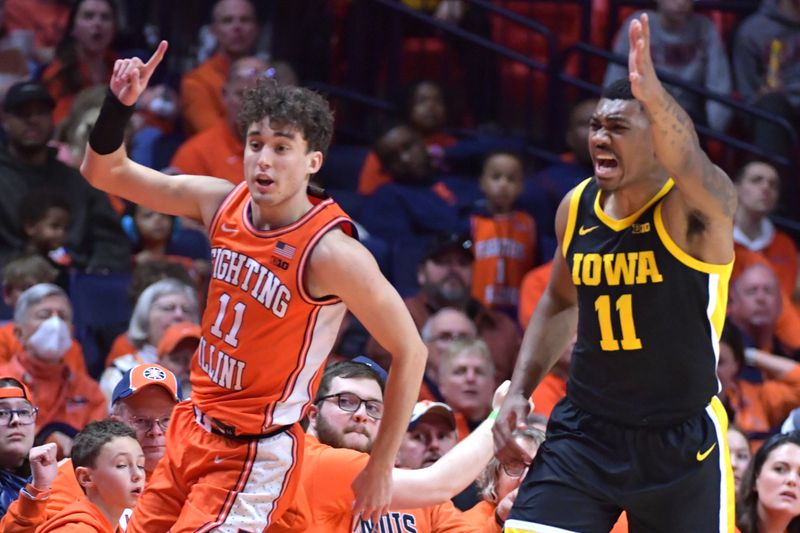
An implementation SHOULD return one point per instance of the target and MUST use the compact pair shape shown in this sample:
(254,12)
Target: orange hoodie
(81,517)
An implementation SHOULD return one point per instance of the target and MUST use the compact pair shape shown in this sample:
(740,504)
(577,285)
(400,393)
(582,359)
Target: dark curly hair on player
(618,90)
(292,106)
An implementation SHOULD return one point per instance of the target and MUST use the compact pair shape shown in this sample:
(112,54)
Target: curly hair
(292,106)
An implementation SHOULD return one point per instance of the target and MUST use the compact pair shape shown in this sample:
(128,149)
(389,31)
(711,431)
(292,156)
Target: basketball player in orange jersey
(284,266)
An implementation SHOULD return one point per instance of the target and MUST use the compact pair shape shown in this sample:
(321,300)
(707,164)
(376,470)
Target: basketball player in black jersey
(642,267)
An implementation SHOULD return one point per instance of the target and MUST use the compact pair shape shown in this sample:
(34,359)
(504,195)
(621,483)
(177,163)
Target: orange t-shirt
(215,151)
(762,407)
(326,500)
(10,345)
(24,514)
(265,338)
(781,253)
(533,285)
(61,394)
(80,517)
(61,94)
(46,18)
(548,393)
(504,248)
(201,94)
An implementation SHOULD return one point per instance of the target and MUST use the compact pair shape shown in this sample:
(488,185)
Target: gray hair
(139,327)
(487,479)
(33,296)
(467,345)
(427,329)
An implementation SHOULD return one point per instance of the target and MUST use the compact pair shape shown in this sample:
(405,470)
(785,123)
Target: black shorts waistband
(212,425)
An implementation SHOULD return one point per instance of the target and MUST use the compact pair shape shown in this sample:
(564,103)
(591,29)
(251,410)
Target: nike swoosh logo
(218,459)
(702,456)
(227,229)
(583,231)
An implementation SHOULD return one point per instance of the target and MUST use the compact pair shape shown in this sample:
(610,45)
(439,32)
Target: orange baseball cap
(147,375)
(12,391)
(175,334)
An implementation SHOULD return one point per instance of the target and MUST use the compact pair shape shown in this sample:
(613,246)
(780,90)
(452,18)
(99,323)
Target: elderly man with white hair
(67,400)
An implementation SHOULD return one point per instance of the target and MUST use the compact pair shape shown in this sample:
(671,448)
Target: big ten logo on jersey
(628,268)
(251,277)
(391,522)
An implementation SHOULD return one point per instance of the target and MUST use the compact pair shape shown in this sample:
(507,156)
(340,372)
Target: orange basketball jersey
(265,339)
(504,247)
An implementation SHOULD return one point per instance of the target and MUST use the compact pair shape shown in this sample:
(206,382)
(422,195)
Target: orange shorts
(207,482)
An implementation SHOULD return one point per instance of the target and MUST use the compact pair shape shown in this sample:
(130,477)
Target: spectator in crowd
(67,399)
(162,304)
(431,434)
(235,28)
(27,163)
(17,419)
(18,276)
(83,56)
(687,45)
(155,236)
(504,238)
(411,205)
(739,446)
(769,495)
(144,400)
(45,216)
(755,305)
(466,381)
(554,385)
(109,465)
(175,351)
(757,409)
(41,23)
(498,483)
(155,127)
(340,437)
(218,149)
(425,110)
(445,278)
(440,330)
(544,191)
(73,132)
(758,186)
(767,71)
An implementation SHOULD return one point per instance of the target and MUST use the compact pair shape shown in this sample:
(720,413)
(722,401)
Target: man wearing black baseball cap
(445,279)
(27,163)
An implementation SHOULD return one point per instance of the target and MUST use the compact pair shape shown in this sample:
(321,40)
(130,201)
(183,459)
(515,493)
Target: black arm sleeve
(109,130)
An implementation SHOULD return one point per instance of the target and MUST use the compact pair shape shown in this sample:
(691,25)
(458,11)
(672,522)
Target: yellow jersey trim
(572,217)
(623,223)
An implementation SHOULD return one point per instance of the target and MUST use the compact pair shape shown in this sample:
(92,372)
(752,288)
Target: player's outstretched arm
(704,186)
(106,164)
(551,327)
(342,266)
(452,473)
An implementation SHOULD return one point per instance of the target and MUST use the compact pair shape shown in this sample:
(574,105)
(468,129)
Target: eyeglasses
(26,415)
(516,469)
(143,423)
(351,403)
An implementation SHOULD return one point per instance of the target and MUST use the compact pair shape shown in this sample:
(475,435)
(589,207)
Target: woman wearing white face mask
(68,400)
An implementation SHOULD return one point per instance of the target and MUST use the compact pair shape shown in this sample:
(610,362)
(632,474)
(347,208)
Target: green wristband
(493,414)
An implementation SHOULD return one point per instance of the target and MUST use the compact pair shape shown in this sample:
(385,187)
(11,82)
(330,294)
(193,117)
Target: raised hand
(130,76)
(641,72)
(44,465)
(512,415)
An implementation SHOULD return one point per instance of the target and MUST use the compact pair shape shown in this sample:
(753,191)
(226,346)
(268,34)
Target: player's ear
(315,161)
(84,476)
(313,412)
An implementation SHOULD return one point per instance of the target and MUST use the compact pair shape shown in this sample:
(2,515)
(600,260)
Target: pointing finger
(157,56)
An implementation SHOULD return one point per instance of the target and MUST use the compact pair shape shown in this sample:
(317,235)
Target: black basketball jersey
(650,315)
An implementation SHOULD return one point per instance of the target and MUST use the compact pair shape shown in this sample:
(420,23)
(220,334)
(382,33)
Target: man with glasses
(17,428)
(343,421)
(143,400)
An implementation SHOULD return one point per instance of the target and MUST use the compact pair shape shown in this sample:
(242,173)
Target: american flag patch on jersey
(284,250)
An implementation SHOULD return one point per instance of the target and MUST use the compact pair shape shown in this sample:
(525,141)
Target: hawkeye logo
(584,230)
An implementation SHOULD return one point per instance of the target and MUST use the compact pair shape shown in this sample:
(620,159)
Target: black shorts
(670,478)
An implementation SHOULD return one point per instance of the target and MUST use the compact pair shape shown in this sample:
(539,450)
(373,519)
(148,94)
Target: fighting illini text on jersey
(650,315)
(265,339)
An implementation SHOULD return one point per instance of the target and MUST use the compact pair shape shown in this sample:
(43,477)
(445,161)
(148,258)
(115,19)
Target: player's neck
(279,215)
(628,199)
